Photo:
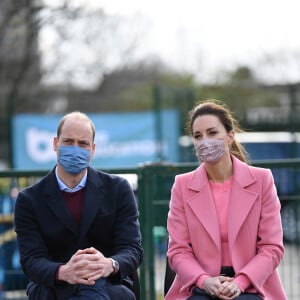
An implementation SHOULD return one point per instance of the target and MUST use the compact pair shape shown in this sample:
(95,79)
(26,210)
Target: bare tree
(19,58)
(81,43)
(60,42)
(64,43)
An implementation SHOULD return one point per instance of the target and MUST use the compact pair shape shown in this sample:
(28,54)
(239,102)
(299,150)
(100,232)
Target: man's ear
(93,150)
(55,143)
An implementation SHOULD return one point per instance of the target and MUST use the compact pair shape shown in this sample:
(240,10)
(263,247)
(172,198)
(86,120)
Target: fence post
(145,207)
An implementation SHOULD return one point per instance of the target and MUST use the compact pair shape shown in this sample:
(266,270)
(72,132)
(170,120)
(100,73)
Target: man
(77,229)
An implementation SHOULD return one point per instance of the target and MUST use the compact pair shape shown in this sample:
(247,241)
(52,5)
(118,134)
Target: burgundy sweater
(74,203)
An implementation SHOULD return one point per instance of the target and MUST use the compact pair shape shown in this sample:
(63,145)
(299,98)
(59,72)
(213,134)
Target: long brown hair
(220,110)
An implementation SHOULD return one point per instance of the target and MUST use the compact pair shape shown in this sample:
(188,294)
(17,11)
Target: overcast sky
(205,35)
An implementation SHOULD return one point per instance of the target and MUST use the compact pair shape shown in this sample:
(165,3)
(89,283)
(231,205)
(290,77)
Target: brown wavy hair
(220,110)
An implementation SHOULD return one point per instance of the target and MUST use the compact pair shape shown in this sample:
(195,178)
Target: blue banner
(122,139)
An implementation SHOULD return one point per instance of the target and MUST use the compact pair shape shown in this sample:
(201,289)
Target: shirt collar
(65,188)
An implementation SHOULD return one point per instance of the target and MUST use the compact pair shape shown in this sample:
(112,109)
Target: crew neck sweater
(221,194)
(74,202)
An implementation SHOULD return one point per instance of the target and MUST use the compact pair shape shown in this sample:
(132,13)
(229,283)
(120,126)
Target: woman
(224,219)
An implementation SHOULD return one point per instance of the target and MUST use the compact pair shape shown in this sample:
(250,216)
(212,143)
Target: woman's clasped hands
(222,287)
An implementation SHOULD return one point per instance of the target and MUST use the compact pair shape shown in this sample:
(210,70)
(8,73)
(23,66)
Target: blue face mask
(73,159)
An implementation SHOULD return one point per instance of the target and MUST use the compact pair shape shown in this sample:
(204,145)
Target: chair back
(169,277)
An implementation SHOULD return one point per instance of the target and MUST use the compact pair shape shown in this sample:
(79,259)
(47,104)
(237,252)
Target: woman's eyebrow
(211,128)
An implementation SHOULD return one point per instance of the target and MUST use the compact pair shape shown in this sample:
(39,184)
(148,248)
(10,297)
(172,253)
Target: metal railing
(153,194)
(155,183)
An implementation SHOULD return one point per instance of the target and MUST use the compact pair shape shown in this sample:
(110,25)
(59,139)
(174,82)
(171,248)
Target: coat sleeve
(269,246)
(35,260)
(127,237)
(180,251)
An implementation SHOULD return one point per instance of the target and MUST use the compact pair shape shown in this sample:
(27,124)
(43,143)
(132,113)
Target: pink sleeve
(243,282)
(201,280)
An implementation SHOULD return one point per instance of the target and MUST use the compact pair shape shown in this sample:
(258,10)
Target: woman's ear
(231,135)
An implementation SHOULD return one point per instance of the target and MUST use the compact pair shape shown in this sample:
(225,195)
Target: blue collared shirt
(65,188)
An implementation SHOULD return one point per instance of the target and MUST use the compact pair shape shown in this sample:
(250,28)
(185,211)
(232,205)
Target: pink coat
(254,231)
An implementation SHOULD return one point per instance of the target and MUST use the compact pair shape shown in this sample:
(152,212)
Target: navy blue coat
(48,236)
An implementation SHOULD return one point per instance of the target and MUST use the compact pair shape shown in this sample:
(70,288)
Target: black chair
(136,285)
(133,283)
(169,277)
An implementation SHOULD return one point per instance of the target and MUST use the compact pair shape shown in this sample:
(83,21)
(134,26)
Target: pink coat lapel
(238,207)
(206,211)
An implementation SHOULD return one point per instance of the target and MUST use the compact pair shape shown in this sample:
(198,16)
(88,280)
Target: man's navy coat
(48,236)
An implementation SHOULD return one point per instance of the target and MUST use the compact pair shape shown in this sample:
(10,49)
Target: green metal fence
(154,188)
(153,193)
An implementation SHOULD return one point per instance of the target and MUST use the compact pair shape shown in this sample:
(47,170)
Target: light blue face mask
(73,159)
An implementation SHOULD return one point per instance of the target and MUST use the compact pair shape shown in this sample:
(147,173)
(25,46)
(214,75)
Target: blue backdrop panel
(122,139)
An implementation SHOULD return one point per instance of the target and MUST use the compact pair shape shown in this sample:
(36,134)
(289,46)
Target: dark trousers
(202,295)
(90,292)
(199,294)
(102,290)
